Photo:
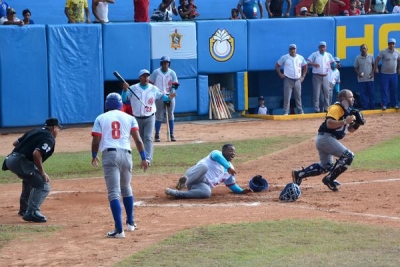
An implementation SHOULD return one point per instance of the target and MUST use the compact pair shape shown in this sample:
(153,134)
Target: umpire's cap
(52,122)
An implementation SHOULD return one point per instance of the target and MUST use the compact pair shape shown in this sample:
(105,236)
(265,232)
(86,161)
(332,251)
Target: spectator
(364,67)
(3,8)
(27,17)
(248,9)
(165,11)
(75,11)
(389,70)
(346,13)
(234,13)
(361,6)
(192,9)
(261,108)
(100,10)
(166,80)
(396,8)
(334,78)
(378,7)
(141,10)
(304,13)
(142,96)
(321,63)
(344,5)
(353,10)
(184,13)
(322,7)
(10,18)
(294,70)
(275,8)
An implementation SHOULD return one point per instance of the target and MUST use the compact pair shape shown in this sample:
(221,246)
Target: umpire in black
(26,161)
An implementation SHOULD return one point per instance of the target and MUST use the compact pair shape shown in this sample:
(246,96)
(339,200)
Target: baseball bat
(166,117)
(119,77)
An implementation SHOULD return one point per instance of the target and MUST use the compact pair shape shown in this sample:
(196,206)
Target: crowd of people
(77,11)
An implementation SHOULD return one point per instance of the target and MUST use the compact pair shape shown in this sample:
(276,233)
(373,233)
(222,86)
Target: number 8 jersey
(115,128)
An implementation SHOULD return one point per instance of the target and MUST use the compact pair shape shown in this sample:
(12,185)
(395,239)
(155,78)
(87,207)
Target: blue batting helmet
(290,193)
(165,59)
(258,183)
(113,101)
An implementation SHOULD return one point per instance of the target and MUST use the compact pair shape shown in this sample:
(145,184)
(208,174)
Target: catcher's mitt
(258,183)
(359,118)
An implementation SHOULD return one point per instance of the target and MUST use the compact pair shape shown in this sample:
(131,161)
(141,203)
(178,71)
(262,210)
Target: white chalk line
(254,204)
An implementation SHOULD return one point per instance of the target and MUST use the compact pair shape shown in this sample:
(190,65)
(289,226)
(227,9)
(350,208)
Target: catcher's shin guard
(312,170)
(341,165)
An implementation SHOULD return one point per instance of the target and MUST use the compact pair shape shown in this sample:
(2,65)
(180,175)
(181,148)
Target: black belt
(144,117)
(295,80)
(114,149)
(322,75)
(323,133)
(17,154)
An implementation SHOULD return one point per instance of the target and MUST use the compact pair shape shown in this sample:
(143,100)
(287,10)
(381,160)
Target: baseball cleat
(157,138)
(296,177)
(34,216)
(116,234)
(171,192)
(131,227)
(172,138)
(337,183)
(181,183)
(330,184)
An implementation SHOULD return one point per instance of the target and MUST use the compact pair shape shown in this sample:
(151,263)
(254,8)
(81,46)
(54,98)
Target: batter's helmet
(165,59)
(258,183)
(113,101)
(290,193)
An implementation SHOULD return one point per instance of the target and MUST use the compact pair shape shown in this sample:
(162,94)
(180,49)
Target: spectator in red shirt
(353,10)
(141,10)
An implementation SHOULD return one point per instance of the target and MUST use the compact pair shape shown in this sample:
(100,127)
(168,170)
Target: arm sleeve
(218,157)
(230,183)
(124,96)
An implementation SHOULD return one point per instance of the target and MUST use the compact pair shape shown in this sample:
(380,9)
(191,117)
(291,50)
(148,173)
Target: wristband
(94,155)
(142,155)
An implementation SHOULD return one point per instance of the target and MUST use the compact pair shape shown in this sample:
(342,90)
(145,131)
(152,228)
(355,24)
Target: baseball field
(357,226)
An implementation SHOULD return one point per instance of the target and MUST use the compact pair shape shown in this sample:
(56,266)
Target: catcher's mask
(290,193)
(113,101)
(258,183)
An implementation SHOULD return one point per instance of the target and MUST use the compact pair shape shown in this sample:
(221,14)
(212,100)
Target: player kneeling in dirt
(339,120)
(208,173)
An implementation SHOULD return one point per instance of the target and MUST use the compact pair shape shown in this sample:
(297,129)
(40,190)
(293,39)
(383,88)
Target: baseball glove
(359,118)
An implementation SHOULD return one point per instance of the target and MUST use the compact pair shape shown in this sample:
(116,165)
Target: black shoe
(296,177)
(34,216)
(172,138)
(21,212)
(157,137)
(330,184)
(181,183)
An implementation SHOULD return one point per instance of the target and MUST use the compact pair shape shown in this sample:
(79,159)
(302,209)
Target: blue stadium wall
(61,70)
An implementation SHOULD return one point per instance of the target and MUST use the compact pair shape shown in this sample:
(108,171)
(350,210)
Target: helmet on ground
(165,59)
(113,101)
(258,183)
(290,193)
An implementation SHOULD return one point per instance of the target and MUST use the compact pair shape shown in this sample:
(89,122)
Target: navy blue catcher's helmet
(258,183)
(290,193)
(113,101)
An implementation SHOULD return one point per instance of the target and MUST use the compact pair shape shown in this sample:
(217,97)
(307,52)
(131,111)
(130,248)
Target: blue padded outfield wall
(61,70)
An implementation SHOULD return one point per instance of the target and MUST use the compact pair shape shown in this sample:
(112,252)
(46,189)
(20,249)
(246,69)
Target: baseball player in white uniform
(321,63)
(166,80)
(143,96)
(294,70)
(111,135)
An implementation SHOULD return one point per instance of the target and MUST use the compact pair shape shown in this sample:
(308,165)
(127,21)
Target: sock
(171,127)
(115,206)
(158,126)
(128,204)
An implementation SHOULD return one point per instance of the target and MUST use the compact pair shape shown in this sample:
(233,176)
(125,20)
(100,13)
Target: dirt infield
(80,206)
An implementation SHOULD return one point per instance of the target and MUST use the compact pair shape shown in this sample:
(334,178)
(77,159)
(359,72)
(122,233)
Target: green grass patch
(25,233)
(167,159)
(383,156)
(277,243)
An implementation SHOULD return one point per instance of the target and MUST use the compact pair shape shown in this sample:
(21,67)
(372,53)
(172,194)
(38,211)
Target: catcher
(339,120)
(209,172)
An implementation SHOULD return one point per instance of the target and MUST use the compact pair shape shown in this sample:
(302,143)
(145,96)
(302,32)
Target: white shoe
(114,234)
(131,227)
